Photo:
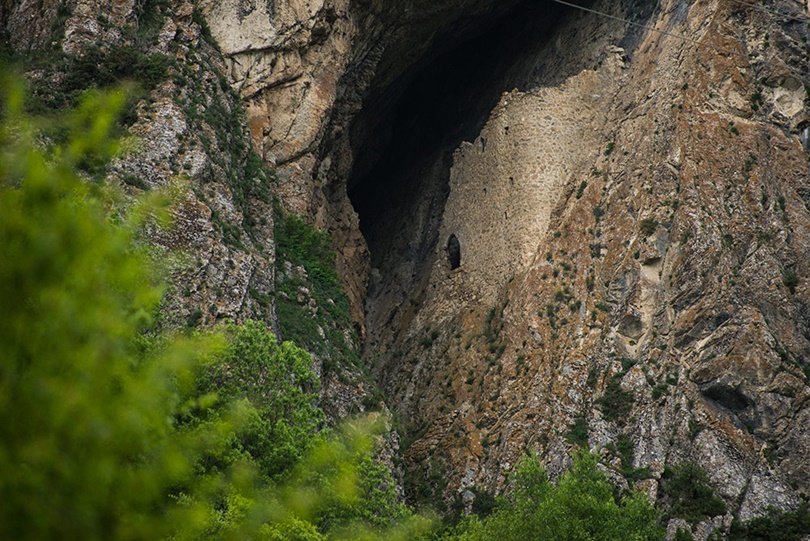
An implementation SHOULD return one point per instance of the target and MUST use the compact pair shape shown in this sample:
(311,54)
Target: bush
(687,494)
(580,507)
(774,526)
(648,226)
(578,435)
(302,245)
(791,280)
(616,403)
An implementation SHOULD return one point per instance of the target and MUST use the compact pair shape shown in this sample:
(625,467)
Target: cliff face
(189,132)
(632,258)
(628,203)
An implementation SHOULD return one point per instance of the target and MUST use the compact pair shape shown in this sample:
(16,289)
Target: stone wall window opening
(454,252)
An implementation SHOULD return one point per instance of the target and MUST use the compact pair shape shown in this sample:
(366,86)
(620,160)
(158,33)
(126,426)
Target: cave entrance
(404,136)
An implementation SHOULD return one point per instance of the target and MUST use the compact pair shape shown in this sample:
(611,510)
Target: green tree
(105,434)
(279,383)
(581,507)
(89,445)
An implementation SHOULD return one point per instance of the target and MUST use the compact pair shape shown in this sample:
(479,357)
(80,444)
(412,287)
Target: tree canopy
(580,507)
(110,433)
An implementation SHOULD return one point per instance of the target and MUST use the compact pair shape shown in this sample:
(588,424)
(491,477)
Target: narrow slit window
(454,252)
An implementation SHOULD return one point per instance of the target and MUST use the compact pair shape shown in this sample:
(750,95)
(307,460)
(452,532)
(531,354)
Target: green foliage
(648,226)
(616,403)
(104,68)
(65,78)
(683,535)
(375,506)
(107,433)
(493,325)
(791,280)
(151,16)
(578,435)
(580,508)
(90,449)
(282,388)
(774,526)
(625,448)
(303,246)
(484,503)
(686,493)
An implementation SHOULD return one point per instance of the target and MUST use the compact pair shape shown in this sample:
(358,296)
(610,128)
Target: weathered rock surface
(650,209)
(190,138)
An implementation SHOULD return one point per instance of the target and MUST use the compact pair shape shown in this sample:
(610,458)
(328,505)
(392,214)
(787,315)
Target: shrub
(774,526)
(687,494)
(578,435)
(302,245)
(648,226)
(91,444)
(791,280)
(683,535)
(581,506)
(581,189)
(616,403)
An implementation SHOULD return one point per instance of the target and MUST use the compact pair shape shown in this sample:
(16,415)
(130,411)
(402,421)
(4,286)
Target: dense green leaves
(108,434)
(687,494)
(279,383)
(774,526)
(322,331)
(581,507)
(90,450)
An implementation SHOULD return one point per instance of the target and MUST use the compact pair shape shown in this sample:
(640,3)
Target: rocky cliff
(555,227)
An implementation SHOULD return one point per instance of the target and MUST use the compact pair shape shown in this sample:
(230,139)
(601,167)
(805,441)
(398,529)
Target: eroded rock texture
(189,132)
(633,255)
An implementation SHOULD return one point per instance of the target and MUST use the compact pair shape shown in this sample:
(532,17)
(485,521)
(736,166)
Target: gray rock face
(190,139)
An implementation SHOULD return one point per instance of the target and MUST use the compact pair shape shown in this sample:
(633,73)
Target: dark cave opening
(454,252)
(404,136)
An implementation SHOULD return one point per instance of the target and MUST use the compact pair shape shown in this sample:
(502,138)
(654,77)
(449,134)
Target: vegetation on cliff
(113,432)
(580,507)
(110,430)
